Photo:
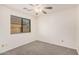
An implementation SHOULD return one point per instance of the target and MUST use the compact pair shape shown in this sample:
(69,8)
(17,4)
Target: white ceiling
(56,7)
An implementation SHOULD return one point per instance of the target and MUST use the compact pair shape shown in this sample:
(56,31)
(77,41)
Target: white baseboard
(9,48)
(58,44)
(78,51)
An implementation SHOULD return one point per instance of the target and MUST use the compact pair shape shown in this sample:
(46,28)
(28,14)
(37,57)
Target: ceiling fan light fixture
(38,8)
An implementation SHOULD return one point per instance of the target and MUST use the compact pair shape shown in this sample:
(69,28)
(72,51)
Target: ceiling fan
(37,8)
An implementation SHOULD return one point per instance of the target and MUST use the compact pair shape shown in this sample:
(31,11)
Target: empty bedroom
(39,29)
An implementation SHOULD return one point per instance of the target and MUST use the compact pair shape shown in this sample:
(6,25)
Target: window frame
(21,25)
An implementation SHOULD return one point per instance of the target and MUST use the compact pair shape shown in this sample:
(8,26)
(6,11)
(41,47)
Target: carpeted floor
(41,48)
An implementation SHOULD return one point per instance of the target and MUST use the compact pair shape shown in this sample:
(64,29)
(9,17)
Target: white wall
(11,41)
(77,29)
(58,26)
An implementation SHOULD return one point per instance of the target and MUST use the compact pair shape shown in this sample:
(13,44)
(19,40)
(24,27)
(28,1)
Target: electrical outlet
(2,45)
(62,41)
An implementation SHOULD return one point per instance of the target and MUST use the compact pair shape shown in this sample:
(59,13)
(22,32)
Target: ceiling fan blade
(34,4)
(31,4)
(44,12)
(27,9)
(48,7)
(37,4)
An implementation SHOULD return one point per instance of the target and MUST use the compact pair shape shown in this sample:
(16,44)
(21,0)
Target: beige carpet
(41,48)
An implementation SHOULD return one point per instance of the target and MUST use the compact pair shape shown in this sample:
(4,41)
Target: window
(20,25)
